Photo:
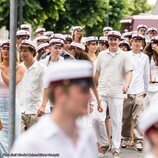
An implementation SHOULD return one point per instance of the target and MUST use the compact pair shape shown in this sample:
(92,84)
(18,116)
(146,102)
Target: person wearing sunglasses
(60,133)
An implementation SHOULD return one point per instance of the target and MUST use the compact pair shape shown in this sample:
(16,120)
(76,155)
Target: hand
(125,89)
(90,108)
(41,111)
(100,108)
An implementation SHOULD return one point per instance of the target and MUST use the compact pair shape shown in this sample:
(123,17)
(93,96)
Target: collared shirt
(113,69)
(47,62)
(47,138)
(31,88)
(140,73)
(66,55)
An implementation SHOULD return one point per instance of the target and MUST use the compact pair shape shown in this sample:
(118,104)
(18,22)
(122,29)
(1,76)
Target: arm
(44,103)
(20,70)
(146,76)
(96,77)
(97,74)
(128,79)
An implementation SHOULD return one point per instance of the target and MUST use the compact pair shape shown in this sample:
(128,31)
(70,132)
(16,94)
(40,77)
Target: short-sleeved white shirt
(31,88)
(113,69)
(46,137)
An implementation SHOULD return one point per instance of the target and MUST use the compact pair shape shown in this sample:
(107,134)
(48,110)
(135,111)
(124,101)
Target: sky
(152,1)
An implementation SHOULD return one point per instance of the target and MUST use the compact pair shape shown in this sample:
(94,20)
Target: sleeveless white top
(4,89)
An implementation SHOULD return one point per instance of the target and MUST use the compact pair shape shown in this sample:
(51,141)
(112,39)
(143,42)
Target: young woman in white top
(4,96)
(77,34)
(152,51)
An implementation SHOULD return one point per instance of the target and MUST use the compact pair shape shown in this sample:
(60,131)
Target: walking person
(113,61)
(138,89)
(152,51)
(4,96)
(60,134)
(33,96)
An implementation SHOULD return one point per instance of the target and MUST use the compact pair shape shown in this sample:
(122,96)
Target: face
(5,52)
(40,42)
(152,33)
(78,33)
(124,47)
(142,31)
(20,39)
(136,44)
(92,47)
(105,33)
(26,55)
(113,42)
(76,100)
(67,45)
(56,50)
(102,46)
(40,34)
(154,46)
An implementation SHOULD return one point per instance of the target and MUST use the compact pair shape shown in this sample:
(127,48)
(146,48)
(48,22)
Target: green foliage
(138,6)
(60,15)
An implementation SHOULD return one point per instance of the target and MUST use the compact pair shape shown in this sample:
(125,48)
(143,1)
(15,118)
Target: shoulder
(103,53)
(45,60)
(31,137)
(145,55)
(20,68)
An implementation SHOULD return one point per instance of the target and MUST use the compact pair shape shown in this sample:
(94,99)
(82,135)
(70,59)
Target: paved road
(127,153)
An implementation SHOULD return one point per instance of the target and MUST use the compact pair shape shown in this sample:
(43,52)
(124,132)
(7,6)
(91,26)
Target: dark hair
(150,52)
(81,56)
(30,49)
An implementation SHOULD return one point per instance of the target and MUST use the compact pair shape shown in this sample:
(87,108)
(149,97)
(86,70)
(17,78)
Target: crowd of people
(118,79)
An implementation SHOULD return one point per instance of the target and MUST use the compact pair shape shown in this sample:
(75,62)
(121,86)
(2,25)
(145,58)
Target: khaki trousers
(132,108)
(27,120)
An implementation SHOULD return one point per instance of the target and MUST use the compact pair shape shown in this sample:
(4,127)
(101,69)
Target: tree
(60,15)
(138,6)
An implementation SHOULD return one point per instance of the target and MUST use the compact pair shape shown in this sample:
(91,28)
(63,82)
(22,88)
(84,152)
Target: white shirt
(113,69)
(31,88)
(140,73)
(47,62)
(150,155)
(47,138)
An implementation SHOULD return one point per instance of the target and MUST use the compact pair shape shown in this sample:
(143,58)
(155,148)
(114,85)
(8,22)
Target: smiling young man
(133,104)
(33,98)
(113,76)
(56,48)
(60,133)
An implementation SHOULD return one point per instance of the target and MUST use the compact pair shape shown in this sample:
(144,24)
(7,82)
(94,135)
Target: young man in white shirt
(56,48)
(32,96)
(133,105)
(60,133)
(113,76)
